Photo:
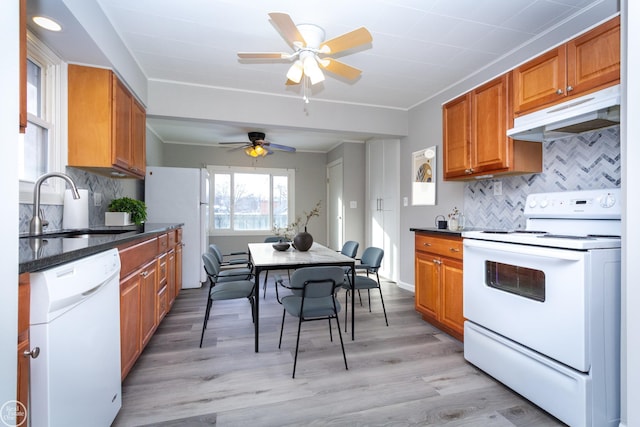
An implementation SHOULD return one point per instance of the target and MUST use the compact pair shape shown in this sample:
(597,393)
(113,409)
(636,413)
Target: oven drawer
(557,389)
(444,246)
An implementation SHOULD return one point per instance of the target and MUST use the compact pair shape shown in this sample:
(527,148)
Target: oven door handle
(544,252)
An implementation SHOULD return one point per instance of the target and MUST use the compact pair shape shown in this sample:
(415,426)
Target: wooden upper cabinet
(593,59)
(540,81)
(475,141)
(490,118)
(585,64)
(138,138)
(121,125)
(457,136)
(23,66)
(106,124)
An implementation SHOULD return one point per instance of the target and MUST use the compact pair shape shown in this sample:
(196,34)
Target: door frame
(334,188)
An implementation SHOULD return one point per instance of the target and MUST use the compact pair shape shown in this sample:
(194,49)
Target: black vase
(303,241)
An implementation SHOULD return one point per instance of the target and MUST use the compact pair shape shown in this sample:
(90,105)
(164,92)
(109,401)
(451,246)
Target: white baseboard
(406,286)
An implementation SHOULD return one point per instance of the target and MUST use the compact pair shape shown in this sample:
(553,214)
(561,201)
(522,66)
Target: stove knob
(544,203)
(608,201)
(532,203)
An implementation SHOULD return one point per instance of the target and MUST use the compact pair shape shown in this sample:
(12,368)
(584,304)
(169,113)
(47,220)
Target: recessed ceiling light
(47,23)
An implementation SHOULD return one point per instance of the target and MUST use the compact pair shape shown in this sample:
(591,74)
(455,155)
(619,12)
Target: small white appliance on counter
(543,305)
(181,195)
(75,325)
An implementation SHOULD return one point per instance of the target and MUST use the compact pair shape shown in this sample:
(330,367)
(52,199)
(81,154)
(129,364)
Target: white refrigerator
(181,195)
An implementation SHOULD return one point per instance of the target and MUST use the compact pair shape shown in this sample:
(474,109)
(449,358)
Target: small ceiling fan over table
(258,146)
(310,50)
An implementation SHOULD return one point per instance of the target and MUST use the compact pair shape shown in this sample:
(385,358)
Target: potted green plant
(125,211)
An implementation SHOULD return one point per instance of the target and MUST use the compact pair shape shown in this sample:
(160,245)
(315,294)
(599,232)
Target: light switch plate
(97,199)
(353,204)
(405,201)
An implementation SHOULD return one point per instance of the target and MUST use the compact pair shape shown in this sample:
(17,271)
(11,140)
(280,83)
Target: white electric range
(543,304)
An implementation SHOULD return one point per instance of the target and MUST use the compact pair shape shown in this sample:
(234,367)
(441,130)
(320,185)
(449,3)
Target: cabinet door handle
(437,261)
(34,353)
(569,88)
(144,273)
(427,244)
(454,249)
(559,92)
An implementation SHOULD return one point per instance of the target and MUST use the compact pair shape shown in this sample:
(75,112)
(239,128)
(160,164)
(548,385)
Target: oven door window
(521,281)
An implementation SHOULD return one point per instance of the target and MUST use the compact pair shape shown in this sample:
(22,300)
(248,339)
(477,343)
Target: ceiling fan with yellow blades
(310,50)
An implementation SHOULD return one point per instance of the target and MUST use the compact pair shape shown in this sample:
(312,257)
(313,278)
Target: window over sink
(250,200)
(43,148)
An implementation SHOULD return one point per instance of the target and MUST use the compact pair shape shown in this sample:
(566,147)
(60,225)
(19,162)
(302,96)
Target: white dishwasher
(75,321)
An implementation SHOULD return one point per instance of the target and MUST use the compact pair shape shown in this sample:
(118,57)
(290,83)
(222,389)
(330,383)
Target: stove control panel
(592,204)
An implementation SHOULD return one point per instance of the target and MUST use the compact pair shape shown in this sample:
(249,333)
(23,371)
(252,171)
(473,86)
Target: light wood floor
(407,374)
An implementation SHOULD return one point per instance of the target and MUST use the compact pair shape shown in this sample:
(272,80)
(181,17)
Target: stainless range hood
(596,110)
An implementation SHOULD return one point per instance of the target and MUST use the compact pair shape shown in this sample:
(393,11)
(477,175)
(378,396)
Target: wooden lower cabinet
(438,282)
(130,342)
(178,283)
(171,278)
(24,351)
(161,290)
(148,286)
(148,305)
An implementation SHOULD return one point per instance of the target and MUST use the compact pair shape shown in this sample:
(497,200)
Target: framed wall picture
(423,186)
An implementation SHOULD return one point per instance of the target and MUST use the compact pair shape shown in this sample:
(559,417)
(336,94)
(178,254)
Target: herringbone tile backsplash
(583,162)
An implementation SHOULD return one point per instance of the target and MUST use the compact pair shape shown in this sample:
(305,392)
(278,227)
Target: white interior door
(335,205)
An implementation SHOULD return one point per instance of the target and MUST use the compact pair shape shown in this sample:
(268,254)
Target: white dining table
(264,258)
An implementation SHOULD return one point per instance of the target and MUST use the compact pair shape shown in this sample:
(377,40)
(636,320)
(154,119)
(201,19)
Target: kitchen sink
(78,234)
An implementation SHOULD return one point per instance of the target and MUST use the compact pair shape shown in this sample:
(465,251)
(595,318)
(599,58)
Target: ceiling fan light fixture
(255,151)
(312,70)
(295,72)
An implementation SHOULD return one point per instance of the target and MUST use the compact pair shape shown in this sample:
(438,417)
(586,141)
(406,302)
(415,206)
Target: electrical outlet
(405,201)
(497,188)
(97,199)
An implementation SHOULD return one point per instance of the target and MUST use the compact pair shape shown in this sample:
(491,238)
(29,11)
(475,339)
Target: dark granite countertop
(45,252)
(438,231)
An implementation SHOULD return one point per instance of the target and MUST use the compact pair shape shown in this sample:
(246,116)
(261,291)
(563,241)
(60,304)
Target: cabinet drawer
(163,243)
(173,238)
(162,270)
(445,246)
(132,257)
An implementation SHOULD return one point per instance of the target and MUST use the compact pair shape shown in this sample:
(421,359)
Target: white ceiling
(420,47)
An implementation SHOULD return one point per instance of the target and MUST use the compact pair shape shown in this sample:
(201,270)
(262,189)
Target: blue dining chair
(313,298)
(350,249)
(278,278)
(230,271)
(370,263)
(224,288)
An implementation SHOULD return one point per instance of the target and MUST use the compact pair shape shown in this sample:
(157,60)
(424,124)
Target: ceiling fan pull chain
(305,88)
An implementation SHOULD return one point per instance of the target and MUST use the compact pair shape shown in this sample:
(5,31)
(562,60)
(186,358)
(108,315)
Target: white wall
(9,107)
